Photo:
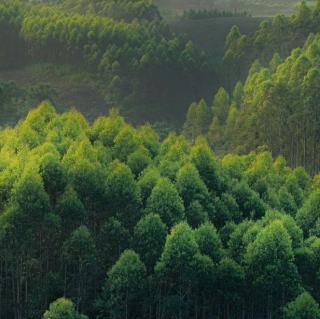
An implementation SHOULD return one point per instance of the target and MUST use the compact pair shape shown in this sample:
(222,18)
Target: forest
(128,226)
(276,104)
(131,59)
(193,194)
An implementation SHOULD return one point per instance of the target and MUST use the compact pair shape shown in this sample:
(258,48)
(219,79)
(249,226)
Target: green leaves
(74,204)
(30,195)
(271,265)
(303,307)
(308,215)
(123,193)
(165,201)
(209,241)
(178,254)
(124,287)
(63,308)
(149,237)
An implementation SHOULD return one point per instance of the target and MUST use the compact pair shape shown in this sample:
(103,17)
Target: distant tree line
(212,13)
(117,9)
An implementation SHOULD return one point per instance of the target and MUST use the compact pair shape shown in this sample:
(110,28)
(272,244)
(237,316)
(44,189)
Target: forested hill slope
(115,9)
(210,34)
(278,103)
(278,35)
(136,63)
(123,225)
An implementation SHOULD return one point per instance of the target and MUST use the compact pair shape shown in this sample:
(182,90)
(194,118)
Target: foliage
(62,309)
(303,307)
(187,230)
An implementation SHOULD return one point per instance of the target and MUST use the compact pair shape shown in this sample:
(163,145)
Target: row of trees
(116,9)
(127,226)
(211,13)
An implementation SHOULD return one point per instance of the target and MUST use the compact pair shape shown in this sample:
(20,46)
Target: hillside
(276,104)
(63,86)
(130,60)
(210,34)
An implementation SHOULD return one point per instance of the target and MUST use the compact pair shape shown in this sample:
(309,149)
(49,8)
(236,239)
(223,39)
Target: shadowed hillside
(210,34)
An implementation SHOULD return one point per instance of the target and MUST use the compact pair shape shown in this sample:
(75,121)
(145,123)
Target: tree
(53,175)
(207,165)
(125,143)
(220,105)
(275,62)
(288,222)
(176,267)
(123,288)
(190,186)
(165,201)
(287,202)
(71,210)
(237,93)
(30,195)
(303,18)
(139,160)
(79,253)
(231,124)
(215,135)
(230,284)
(237,245)
(105,129)
(196,214)
(197,121)
(209,241)
(149,238)
(309,213)
(149,139)
(123,194)
(250,205)
(303,307)
(271,266)
(88,180)
(233,35)
(112,240)
(147,181)
(63,309)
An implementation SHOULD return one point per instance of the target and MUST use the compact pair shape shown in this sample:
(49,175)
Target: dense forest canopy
(124,225)
(104,219)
